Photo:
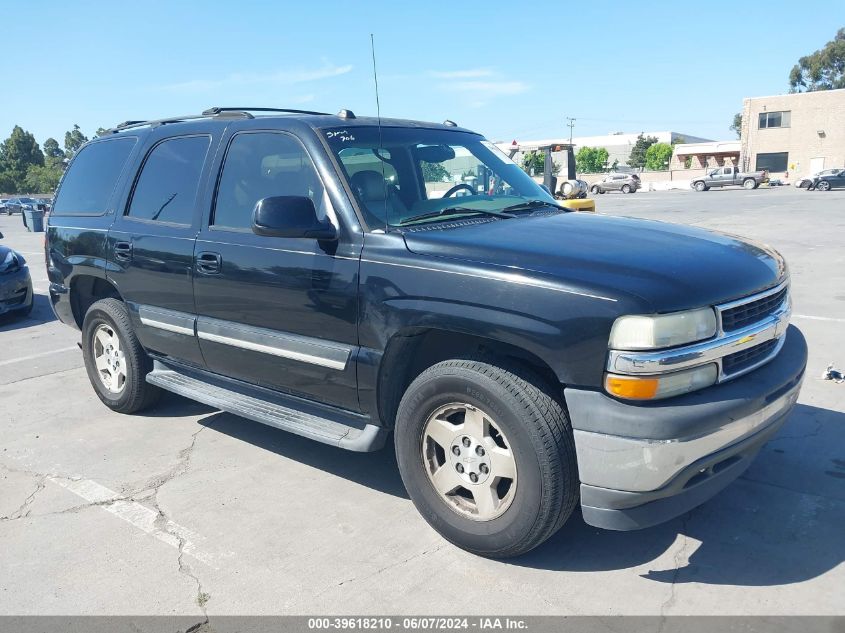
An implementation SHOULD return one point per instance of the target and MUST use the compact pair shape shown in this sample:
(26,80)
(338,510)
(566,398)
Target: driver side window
(261,165)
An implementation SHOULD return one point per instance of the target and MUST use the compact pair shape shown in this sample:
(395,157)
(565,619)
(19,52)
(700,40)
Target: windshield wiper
(454,211)
(533,204)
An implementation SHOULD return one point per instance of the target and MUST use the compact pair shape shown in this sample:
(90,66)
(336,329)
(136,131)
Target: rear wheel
(626,188)
(594,189)
(487,456)
(749,183)
(823,185)
(116,363)
(700,186)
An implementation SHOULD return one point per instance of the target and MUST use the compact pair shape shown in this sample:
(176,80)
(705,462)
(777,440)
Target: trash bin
(34,220)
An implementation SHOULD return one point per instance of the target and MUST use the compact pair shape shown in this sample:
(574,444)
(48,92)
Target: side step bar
(317,422)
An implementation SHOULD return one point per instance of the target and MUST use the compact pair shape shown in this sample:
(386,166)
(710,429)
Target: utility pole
(571,125)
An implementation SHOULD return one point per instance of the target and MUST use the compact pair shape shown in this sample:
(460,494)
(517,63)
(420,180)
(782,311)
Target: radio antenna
(378,153)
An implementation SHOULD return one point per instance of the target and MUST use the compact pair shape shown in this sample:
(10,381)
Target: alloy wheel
(109,358)
(469,461)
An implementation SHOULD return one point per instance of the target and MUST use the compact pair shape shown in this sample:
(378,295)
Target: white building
(617,144)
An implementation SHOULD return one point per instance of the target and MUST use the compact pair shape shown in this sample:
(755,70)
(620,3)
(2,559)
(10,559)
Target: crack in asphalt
(25,508)
(166,524)
(162,521)
(670,601)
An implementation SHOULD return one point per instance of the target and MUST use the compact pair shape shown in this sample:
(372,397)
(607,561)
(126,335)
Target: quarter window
(775,161)
(262,165)
(775,119)
(92,176)
(166,190)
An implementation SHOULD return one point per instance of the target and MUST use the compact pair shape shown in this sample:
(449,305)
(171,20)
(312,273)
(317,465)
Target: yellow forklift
(571,192)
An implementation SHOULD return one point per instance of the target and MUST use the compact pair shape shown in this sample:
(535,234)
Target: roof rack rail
(211,112)
(218,110)
(126,125)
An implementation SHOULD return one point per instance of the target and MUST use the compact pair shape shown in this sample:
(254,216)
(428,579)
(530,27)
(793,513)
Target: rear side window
(92,176)
(166,190)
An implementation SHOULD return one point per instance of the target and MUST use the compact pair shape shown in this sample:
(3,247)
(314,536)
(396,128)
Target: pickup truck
(305,270)
(729,176)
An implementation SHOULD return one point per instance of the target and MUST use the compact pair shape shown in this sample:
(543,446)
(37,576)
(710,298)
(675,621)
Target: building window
(774,119)
(775,161)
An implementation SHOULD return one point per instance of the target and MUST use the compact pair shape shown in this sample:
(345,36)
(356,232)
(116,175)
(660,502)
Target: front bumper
(15,291)
(645,463)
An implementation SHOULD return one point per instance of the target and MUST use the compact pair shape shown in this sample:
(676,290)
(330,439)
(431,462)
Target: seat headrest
(370,185)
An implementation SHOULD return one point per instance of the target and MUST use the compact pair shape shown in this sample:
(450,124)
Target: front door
(276,312)
(151,246)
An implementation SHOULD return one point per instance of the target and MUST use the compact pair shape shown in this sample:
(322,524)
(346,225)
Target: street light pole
(571,125)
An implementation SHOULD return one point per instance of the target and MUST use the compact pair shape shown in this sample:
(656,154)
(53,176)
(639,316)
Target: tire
(700,186)
(823,185)
(520,422)
(594,189)
(626,188)
(132,393)
(749,183)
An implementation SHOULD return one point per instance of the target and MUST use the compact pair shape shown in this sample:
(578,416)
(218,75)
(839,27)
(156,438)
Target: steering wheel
(458,187)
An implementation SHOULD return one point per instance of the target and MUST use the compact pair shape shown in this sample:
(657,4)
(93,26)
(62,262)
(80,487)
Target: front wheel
(116,363)
(700,186)
(487,456)
(823,185)
(626,188)
(594,189)
(749,183)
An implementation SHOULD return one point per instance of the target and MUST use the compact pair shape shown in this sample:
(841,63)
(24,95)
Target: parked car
(3,207)
(15,283)
(626,183)
(291,268)
(729,176)
(804,182)
(827,181)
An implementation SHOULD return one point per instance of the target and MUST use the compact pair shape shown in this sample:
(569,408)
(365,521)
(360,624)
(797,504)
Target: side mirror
(290,216)
(1,236)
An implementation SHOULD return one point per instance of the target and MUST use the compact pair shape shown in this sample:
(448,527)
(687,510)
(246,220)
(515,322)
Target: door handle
(123,251)
(209,263)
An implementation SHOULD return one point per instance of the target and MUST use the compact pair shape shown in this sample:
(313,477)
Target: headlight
(663,386)
(662,330)
(10,264)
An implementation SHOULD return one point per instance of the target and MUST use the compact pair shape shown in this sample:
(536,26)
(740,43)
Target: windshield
(439,174)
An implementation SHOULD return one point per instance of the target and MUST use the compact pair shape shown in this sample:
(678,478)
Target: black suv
(343,278)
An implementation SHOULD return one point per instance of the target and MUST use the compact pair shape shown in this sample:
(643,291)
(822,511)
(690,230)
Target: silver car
(626,183)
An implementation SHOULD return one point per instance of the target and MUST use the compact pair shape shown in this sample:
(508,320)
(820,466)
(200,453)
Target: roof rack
(219,110)
(216,111)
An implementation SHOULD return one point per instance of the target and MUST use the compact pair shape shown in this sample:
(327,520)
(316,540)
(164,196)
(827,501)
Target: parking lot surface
(185,510)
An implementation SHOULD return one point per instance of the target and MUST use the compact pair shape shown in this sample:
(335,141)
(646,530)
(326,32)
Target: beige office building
(800,133)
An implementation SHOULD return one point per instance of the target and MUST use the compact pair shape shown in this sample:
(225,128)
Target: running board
(314,421)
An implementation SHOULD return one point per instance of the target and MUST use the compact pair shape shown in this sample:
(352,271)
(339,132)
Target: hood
(671,267)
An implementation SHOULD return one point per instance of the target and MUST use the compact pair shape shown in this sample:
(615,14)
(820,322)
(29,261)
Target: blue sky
(506,69)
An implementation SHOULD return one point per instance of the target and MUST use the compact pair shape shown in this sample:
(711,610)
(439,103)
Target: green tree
(736,126)
(17,154)
(637,158)
(54,156)
(7,183)
(101,131)
(534,163)
(822,70)
(658,156)
(591,160)
(74,139)
(42,178)
(434,172)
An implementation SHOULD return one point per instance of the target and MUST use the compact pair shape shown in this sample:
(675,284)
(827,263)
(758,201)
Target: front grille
(747,357)
(748,313)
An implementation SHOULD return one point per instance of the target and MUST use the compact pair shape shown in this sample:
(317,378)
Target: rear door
(277,312)
(151,244)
